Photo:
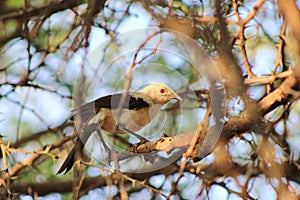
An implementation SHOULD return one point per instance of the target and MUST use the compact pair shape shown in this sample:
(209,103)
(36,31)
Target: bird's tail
(77,149)
(69,162)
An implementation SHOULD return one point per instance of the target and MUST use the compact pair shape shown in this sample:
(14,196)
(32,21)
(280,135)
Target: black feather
(111,101)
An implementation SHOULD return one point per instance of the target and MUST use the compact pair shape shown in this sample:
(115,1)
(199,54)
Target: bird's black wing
(112,102)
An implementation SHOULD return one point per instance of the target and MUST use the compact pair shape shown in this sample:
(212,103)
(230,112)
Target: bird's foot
(150,157)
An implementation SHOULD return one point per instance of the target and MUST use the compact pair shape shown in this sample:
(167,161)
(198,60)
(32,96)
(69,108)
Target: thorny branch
(251,121)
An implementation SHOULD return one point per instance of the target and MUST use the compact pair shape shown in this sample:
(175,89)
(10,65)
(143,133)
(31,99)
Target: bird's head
(160,93)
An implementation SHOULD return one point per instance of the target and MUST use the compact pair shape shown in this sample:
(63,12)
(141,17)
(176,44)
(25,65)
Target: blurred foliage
(11,4)
(56,55)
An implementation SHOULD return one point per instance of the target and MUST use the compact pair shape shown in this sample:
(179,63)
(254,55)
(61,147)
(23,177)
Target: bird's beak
(178,98)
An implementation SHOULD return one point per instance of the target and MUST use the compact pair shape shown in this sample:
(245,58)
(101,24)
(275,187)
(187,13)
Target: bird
(138,110)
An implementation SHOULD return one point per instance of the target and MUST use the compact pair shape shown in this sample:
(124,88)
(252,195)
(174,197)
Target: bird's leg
(147,157)
(141,138)
(106,148)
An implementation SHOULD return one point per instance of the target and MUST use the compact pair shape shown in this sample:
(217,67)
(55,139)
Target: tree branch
(239,124)
(46,10)
(64,186)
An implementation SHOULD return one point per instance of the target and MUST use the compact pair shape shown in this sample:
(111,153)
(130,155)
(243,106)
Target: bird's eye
(162,90)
